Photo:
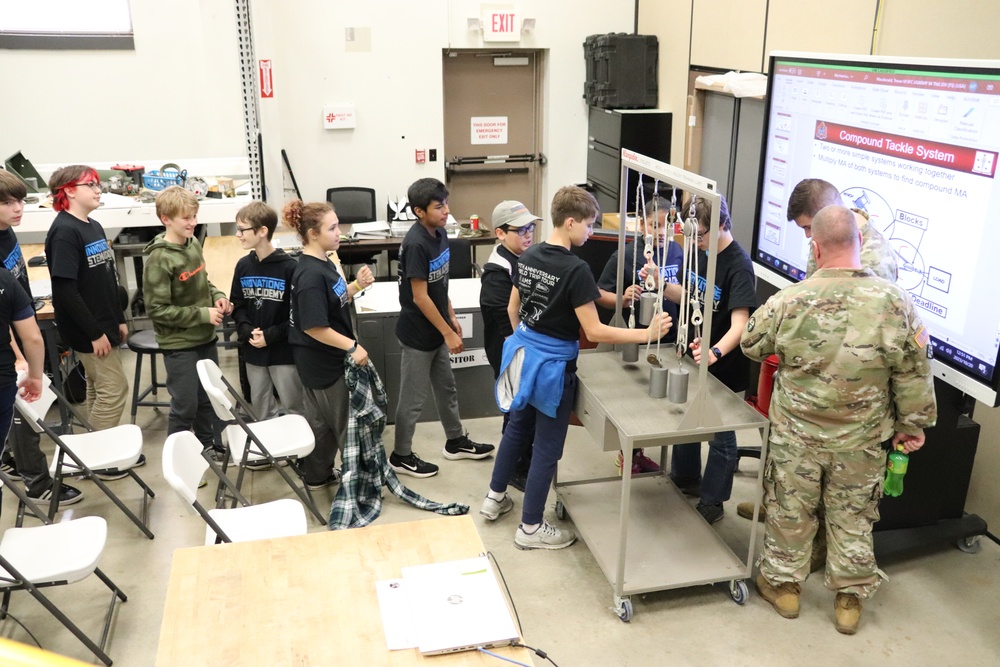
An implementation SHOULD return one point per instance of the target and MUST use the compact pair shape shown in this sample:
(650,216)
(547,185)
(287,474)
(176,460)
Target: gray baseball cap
(513,214)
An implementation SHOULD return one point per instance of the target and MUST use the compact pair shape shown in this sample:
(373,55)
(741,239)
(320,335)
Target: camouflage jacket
(853,361)
(876,253)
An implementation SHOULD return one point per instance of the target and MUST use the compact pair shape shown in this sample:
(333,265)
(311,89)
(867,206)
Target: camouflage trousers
(798,483)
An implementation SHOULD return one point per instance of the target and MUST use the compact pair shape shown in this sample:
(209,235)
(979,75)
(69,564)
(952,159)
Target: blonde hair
(304,217)
(175,201)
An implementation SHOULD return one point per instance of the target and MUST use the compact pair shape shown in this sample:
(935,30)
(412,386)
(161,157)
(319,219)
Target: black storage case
(621,71)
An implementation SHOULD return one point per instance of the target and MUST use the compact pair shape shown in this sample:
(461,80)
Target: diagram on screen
(904,231)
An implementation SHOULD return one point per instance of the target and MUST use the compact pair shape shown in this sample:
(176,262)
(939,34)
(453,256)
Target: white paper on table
(41,289)
(397,616)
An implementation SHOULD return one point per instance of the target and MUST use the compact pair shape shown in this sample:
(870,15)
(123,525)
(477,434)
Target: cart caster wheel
(970,545)
(624,609)
(560,510)
(738,591)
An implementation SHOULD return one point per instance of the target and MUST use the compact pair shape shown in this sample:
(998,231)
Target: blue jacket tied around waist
(532,369)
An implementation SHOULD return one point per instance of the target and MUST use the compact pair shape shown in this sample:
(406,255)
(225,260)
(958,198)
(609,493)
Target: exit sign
(501,23)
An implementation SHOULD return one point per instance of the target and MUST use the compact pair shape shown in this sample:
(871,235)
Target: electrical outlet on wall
(432,155)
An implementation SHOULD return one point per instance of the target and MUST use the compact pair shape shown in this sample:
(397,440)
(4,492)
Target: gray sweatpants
(419,372)
(327,412)
(265,379)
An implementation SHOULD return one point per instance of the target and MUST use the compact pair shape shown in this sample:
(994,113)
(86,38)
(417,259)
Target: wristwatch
(717,352)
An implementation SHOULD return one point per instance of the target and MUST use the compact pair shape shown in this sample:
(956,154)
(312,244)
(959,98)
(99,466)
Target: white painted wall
(177,95)
(397,90)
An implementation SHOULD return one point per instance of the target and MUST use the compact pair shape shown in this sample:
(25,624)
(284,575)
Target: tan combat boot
(847,608)
(745,510)
(784,597)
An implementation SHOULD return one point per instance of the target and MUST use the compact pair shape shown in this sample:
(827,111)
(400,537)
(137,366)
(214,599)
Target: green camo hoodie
(178,294)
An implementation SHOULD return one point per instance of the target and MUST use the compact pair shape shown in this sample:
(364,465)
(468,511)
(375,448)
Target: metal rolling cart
(672,546)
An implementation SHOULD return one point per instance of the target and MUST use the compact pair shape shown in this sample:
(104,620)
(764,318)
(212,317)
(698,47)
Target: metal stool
(143,343)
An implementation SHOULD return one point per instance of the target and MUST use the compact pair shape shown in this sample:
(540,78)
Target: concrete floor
(938,607)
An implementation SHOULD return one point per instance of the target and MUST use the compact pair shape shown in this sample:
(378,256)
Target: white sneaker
(492,509)
(546,536)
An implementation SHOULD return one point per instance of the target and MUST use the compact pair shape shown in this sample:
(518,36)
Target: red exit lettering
(503,23)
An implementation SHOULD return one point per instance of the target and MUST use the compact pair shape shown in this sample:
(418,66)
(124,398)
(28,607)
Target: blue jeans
(717,483)
(529,429)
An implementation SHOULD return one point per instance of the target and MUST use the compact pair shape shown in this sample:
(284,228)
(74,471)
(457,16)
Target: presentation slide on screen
(919,154)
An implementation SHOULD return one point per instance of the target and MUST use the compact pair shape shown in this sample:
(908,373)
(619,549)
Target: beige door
(492,130)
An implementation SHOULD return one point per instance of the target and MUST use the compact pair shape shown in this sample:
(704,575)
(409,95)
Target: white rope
(635,255)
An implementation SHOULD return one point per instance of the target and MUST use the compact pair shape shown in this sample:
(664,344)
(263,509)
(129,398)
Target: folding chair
(183,466)
(117,447)
(55,554)
(287,438)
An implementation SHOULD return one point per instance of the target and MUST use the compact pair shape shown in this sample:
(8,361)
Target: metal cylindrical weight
(630,352)
(657,382)
(677,387)
(647,306)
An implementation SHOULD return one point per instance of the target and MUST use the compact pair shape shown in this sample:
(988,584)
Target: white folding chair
(55,554)
(82,453)
(183,466)
(288,437)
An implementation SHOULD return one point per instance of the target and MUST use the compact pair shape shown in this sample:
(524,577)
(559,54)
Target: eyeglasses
(240,231)
(93,185)
(702,235)
(522,231)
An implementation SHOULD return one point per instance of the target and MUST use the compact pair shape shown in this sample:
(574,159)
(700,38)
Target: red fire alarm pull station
(421,156)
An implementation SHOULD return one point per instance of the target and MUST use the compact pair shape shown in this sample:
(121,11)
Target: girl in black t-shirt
(321,334)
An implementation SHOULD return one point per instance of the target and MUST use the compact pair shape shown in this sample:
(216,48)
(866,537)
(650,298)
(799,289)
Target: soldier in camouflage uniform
(853,372)
(807,198)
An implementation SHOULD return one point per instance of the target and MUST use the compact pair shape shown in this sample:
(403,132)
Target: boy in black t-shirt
(734,295)
(428,330)
(28,462)
(554,298)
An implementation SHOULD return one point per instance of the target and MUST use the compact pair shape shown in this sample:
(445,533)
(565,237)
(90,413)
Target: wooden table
(305,600)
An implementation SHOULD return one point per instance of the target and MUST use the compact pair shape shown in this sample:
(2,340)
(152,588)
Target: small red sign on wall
(266,79)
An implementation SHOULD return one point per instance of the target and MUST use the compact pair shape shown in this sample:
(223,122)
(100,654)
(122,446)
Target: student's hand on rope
(360,356)
(102,346)
(649,270)
(696,353)
(661,325)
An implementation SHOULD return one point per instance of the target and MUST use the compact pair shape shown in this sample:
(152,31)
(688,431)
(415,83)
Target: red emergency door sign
(266,79)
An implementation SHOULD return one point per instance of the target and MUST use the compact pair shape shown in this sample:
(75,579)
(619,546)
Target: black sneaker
(111,474)
(464,448)
(412,465)
(68,495)
(711,513)
(8,468)
(329,481)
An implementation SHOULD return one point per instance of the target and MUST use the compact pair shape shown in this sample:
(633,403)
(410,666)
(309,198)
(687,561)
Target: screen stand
(931,509)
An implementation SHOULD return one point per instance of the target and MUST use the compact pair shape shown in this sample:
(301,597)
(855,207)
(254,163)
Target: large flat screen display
(915,143)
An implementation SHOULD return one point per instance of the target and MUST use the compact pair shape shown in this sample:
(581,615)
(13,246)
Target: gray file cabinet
(377,313)
(610,130)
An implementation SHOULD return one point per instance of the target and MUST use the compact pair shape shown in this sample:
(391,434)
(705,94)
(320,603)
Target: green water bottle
(894,471)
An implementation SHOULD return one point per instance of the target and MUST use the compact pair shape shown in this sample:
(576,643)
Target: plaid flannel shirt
(366,468)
